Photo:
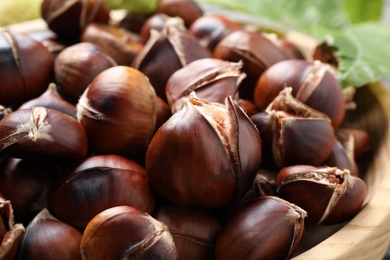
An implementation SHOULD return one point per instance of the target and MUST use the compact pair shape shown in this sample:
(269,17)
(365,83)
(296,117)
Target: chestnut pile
(171,135)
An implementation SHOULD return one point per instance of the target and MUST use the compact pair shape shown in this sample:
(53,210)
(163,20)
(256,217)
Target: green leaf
(362,10)
(144,6)
(300,15)
(363,53)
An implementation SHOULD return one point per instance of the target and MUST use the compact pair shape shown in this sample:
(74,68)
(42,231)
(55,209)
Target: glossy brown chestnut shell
(26,68)
(257,53)
(266,228)
(125,232)
(51,99)
(187,10)
(211,79)
(77,65)
(210,29)
(206,154)
(118,111)
(42,134)
(25,184)
(294,132)
(329,195)
(167,51)
(48,238)
(68,18)
(194,230)
(313,83)
(97,183)
(122,45)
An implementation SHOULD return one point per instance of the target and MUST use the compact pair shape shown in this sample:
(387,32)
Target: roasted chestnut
(98,183)
(266,228)
(122,45)
(68,18)
(194,230)
(125,232)
(256,51)
(206,154)
(48,238)
(26,68)
(187,10)
(211,79)
(51,99)
(313,83)
(294,132)
(42,134)
(329,195)
(210,29)
(118,111)
(167,51)
(155,22)
(25,184)
(77,65)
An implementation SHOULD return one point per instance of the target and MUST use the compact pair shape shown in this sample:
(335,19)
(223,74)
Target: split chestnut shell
(125,232)
(207,154)
(328,194)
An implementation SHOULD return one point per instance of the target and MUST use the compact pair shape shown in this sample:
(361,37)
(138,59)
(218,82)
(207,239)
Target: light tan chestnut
(125,232)
(42,133)
(118,111)
(328,194)
(206,154)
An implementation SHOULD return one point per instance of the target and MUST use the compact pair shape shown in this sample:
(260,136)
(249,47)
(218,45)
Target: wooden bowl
(367,235)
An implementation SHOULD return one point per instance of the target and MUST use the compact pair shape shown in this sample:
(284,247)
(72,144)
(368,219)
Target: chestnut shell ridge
(206,154)
(335,195)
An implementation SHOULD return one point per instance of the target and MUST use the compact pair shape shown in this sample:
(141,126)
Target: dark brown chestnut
(297,133)
(98,183)
(25,183)
(51,99)
(48,238)
(118,111)
(125,232)
(122,45)
(194,230)
(77,65)
(266,228)
(133,21)
(313,83)
(361,140)
(166,52)
(256,51)
(155,22)
(42,134)
(187,10)
(329,195)
(206,154)
(26,68)
(210,29)
(211,79)
(68,18)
